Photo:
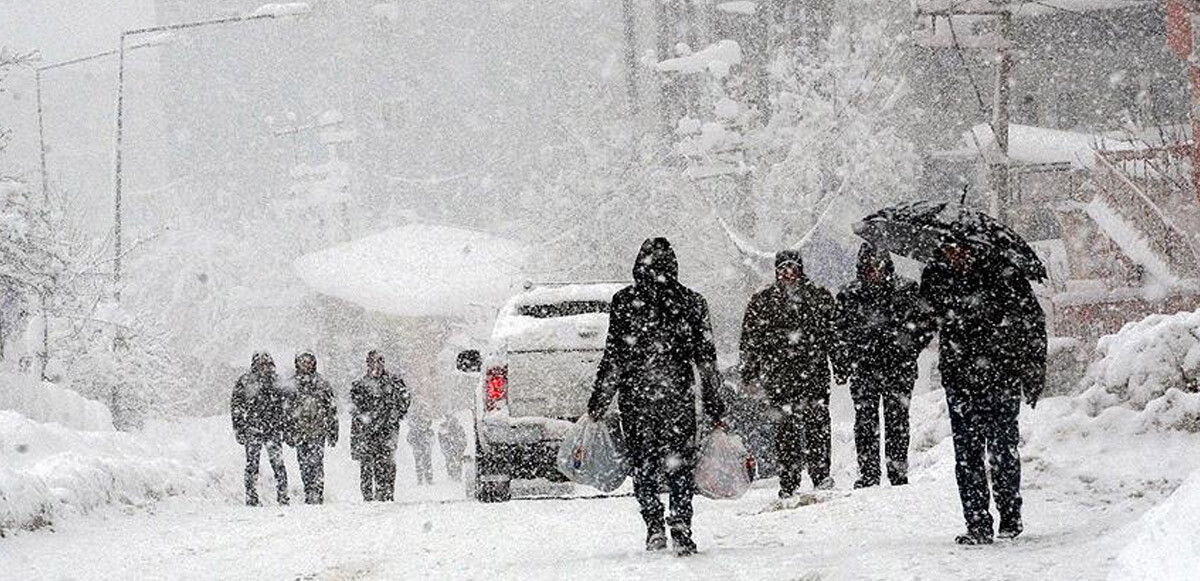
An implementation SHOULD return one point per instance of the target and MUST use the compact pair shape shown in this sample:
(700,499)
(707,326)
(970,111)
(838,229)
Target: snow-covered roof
(1039,145)
(715,58)
(418,270)
(548,295)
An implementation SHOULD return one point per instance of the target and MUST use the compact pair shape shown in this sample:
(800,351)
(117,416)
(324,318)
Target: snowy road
(893,534)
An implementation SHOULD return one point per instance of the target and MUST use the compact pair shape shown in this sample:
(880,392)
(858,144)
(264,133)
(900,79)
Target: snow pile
(1166,545)
(48,471)
(48,403)
(1150,368)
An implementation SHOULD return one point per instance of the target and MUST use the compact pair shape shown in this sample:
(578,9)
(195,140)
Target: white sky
(64,29)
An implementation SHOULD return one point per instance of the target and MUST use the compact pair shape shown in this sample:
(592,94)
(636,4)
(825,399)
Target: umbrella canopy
(919,230)
(418,270)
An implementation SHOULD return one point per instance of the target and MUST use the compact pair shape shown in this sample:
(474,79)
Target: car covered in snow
(536,377)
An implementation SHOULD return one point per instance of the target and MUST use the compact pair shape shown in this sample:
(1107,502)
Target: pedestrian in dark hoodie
(257,408)
(658,330)
(993,350)
(787,336)
(881,332)
(379,400)
(315,421)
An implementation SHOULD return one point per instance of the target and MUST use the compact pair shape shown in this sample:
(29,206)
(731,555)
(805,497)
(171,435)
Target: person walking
(379,400)
(787,336)
(314,416)
(658,330)
(260,421)
(992,352)
(420,438)
(453,441)
(881,332)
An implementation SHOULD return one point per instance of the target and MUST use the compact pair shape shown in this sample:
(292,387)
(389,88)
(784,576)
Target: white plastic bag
(593,453)
(726,467)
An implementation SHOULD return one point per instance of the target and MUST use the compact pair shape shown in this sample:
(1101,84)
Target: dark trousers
(663,451)
(895,393)
(311,456)
(377,473)
(275,457)
(454,457)
(423,458)
(985,428)
(802,436)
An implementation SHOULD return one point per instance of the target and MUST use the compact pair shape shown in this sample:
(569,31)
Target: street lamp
(154,41)
(264,12)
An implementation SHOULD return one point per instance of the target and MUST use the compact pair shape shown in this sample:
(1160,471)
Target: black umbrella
(919,230)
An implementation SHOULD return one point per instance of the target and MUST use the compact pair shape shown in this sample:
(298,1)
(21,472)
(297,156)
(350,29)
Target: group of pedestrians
(268,413)
(992,342)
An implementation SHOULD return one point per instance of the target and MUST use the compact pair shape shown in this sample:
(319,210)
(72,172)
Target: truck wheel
(489,485)
(490,491)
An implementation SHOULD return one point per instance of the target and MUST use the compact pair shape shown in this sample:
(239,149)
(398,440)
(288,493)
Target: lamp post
(41,109)
(265,12)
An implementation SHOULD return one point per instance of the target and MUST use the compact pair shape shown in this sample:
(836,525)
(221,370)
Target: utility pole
(633,93)
(1001,42)
(1001,182)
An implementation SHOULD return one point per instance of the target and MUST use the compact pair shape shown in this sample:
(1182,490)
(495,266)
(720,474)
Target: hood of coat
(870,259)
(656,265)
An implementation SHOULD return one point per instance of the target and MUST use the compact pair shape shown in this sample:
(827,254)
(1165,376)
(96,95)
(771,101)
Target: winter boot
(656,539)
(1010,528)
(865,483)
(973,538)
(681,537)
(826,483)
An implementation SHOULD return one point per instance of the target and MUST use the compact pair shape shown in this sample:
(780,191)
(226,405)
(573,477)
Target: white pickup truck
(537,376)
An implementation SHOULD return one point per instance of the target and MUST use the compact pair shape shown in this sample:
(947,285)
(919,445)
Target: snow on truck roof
(575,292)
(418,270)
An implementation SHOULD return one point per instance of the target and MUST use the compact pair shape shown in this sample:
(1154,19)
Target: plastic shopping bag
(593,453)
(726,467)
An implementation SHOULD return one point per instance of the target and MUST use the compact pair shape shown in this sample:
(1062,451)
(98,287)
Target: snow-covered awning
(418,270)
(1039,145)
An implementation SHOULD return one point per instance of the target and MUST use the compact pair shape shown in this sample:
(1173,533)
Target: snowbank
(48,403)
(1150,368)
(48,471)
(1166,543)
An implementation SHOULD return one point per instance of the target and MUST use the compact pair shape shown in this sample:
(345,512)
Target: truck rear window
(563,309)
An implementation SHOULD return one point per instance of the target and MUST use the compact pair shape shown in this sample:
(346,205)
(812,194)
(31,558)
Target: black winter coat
(258,409)
(787,336)
(881,327)
(377,406)
(658,329)
(992,329)
(314,411)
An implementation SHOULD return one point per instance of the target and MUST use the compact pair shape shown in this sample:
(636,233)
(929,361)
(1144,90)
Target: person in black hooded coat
(787,337)
(258,409)
(993,350)
(882,329)
(658,330)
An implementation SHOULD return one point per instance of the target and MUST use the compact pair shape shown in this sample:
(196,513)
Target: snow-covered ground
(1111,486)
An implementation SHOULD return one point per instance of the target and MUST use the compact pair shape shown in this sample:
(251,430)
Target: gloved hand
(332,440)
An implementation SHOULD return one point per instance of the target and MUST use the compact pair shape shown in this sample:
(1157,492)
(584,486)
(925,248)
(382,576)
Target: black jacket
(258,409)
(992,329)
(314,410)
(787,336)
(658,329)
(881,327)
(377,406)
